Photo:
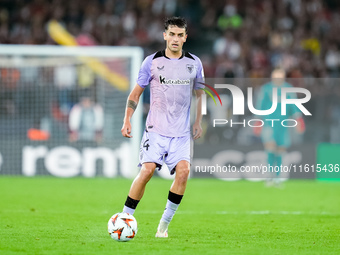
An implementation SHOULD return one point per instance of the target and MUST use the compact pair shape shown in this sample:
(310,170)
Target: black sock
(131,203)
(175,198)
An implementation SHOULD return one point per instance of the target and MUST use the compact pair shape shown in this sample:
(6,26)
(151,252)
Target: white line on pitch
(245,212)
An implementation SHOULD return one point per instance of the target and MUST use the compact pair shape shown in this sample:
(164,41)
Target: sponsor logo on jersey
(166,81)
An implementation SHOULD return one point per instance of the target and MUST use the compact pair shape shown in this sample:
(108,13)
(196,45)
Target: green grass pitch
(48,215)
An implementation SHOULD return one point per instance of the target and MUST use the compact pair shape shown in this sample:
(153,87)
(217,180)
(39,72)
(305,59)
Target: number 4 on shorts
(146,144)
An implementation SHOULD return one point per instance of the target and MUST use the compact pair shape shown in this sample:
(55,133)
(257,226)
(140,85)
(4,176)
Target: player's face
(278,77)
(175,37)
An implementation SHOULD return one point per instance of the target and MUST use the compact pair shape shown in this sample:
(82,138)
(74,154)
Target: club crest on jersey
(190,68)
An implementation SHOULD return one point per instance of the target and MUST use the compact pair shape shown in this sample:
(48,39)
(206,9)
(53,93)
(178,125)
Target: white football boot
(162,230)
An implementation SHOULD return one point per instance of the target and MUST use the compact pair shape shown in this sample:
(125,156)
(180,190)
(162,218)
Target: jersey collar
(163,54)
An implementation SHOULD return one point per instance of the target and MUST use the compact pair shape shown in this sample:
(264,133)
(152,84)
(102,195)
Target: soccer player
(275,137)
(172,74)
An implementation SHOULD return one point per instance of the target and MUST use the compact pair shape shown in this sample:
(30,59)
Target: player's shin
(271,158)
(271,164)
(171,207)
(278,159)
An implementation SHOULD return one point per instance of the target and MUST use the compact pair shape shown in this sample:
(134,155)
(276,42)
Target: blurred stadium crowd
(234,39)
(244,38)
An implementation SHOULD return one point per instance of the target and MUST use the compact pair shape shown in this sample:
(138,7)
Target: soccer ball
(122,227)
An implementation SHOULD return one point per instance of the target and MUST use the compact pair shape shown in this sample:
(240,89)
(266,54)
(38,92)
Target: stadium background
(234,39)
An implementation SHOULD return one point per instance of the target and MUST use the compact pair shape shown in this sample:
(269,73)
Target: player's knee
(146,173)
(280,151)
(270,147)
(182,174)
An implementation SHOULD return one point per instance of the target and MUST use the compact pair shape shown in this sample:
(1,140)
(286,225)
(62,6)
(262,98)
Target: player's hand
(99,137)
(73,136)
(300,127)
(257,129)
(197,130)
(126,129)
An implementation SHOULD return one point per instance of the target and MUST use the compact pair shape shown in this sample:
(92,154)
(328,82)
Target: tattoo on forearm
(131,104)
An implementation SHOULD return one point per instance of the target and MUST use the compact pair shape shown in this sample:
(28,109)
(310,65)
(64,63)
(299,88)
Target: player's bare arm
(131,106)
(197,128)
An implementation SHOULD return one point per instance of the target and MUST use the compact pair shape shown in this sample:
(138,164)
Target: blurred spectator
(9,78)
(230,18)
(163,6)
(109,25)
(243,38)
(86,120)
(227,47)
(332,60)
(259,35)
(65,78)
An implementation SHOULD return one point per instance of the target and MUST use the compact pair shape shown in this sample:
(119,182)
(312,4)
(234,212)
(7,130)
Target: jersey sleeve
(144,75)
(199,75)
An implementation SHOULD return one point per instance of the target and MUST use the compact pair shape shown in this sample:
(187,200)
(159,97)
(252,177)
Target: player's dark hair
(176,21)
